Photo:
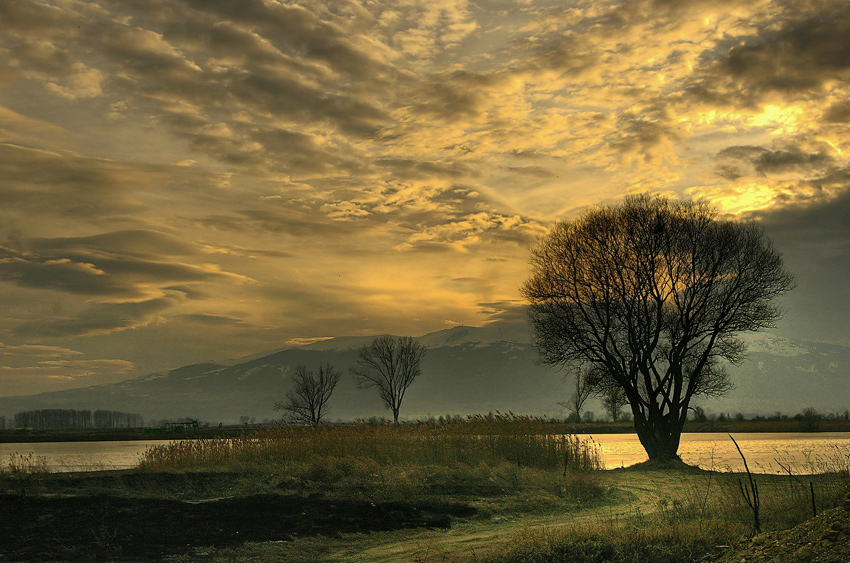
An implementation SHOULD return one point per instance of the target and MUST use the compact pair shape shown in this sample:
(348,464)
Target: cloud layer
(222,177)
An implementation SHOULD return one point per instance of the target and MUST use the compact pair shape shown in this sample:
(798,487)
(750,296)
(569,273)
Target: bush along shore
(500,489)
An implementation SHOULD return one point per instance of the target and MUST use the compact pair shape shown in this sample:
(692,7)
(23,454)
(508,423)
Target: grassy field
(498,489)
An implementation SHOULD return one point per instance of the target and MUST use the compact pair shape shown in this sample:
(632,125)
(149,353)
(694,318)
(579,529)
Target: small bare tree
(307,402)
(579,397)
(391,364)
(613,402)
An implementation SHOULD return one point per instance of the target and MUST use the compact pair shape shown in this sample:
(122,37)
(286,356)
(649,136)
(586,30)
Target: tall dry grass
(24,464)
(523,441)
(480,456)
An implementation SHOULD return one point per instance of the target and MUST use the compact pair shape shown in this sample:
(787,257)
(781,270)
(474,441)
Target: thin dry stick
(752,499)
(814,507)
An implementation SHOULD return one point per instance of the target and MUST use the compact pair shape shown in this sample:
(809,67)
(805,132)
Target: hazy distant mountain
(467,370)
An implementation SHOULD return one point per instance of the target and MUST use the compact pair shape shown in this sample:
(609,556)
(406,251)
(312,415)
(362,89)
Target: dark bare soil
(115,527)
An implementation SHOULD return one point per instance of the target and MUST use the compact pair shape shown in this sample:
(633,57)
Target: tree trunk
(395,416)
(659,437)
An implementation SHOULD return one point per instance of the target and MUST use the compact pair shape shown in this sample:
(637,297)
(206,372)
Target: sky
(193,180)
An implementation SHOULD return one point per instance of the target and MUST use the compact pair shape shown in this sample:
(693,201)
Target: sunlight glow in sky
(185,180)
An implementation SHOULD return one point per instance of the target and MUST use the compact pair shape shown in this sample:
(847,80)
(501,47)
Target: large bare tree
(307,401)
(653,293)
(391,364)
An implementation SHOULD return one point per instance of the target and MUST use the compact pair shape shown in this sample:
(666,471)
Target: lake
(82,456)
(766,452)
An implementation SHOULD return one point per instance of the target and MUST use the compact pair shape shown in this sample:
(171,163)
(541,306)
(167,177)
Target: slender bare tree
(307,402)
(654,293)
(581,393)
(613,402)
(391,364)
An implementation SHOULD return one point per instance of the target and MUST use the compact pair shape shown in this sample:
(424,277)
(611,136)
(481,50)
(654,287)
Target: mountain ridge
(466,370)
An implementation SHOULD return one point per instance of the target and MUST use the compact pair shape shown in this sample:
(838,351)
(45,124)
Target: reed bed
(524,442)
(24,464)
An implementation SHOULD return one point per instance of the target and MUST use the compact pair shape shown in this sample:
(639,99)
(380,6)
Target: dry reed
(497,439)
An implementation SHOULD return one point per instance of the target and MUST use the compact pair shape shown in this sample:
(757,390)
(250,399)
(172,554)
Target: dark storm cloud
(48,185)
(283,94)
(795,57)
(838,113)
(29,270)
(459,95)
(98,319)
(279,219)
(212,320)
(410,169)
(131,243)
(278,216)
(305,154)
(516,311)
(823,221)
(36,19)
(230,41)
(297,29)
(641,133)
(75,185)
(144,54)
(764,162)
(122,265)
(566,52)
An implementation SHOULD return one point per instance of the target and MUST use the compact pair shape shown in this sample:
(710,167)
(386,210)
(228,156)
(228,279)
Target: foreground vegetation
(685,517)
(503,489)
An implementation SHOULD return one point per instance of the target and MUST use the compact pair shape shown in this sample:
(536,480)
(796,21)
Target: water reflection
(82,456)
(766,452)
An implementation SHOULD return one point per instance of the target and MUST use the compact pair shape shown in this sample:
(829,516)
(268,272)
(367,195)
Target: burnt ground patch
(116,528)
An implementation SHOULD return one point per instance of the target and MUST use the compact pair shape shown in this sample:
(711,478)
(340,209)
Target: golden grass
(479,457)
(492,440)
(700,513)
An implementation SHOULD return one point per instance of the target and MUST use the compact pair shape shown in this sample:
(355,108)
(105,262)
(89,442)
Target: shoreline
(138,434)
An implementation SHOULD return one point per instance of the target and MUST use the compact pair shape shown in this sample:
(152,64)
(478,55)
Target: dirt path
(636,492)
(275,527)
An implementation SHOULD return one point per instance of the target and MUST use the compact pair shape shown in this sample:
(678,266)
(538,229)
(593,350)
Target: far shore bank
(132,434)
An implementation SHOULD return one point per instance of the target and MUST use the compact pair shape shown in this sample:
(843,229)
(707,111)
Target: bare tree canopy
(653,293)
(307,402)
(391,364)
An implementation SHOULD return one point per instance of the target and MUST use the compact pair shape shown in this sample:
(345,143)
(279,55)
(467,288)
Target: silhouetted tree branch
(653,293)
(307,402)
(391,364)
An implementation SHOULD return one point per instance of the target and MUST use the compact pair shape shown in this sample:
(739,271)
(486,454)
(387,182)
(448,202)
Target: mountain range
(466,370)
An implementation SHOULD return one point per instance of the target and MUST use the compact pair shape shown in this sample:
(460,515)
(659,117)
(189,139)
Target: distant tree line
(117,419)
(61,419)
